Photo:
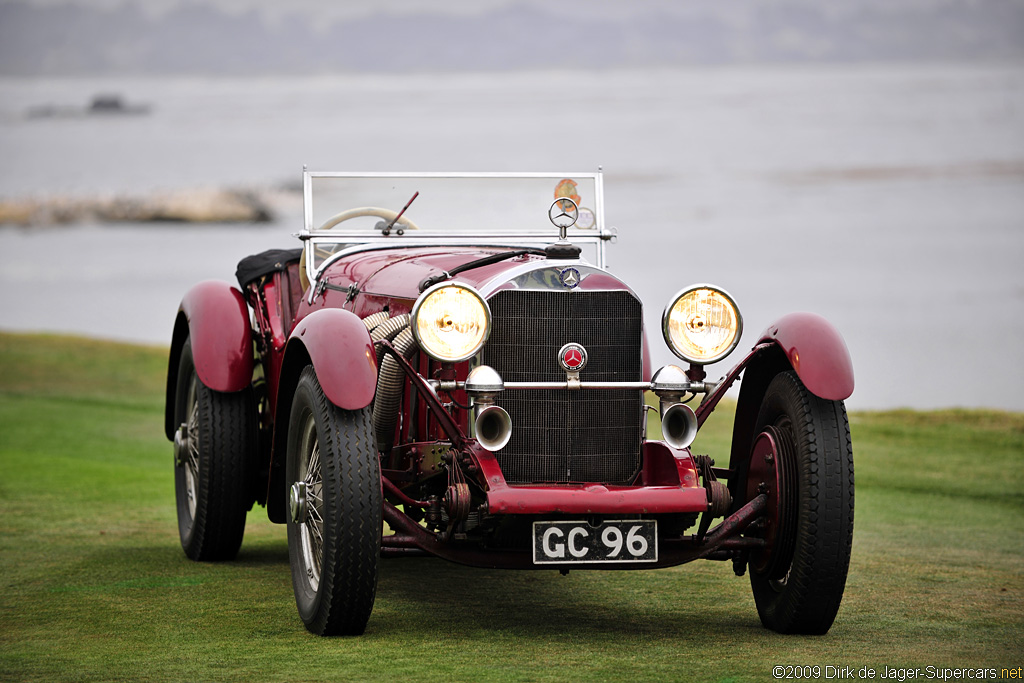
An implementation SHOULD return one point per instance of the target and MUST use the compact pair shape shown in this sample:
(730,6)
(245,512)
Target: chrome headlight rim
(668,336)
(414,321)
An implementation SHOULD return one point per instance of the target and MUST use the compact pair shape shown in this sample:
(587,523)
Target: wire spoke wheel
(191,463)
(311,533)
(334,495)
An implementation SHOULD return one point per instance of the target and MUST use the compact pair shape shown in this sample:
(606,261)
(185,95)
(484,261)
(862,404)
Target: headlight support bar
(694,387)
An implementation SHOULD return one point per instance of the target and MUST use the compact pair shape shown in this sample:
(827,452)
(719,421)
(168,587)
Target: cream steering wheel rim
(376,211)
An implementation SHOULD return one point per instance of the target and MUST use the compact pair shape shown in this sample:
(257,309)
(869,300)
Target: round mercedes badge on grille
(569,277)
(572,357)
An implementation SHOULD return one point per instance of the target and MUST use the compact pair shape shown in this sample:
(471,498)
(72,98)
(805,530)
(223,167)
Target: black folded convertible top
(254,267)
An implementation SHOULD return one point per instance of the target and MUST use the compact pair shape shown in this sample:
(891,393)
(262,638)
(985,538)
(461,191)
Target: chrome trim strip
(307,199)
(450,174)
(520,277)
(582,385)
(331,235)
(695,387)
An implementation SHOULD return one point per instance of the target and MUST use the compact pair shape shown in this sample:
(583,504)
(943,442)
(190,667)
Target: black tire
(799,591)
(334,536)
(213,446)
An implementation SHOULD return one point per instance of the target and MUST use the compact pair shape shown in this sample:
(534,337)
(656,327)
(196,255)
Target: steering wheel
(386,214)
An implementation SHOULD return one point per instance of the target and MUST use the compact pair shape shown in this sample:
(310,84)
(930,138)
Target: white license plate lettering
(578,542)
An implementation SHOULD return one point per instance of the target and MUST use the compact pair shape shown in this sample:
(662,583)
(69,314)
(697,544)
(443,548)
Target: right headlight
(451,322)
(702,324)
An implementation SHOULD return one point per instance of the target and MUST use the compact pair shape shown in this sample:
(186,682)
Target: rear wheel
(335,511)
(803,458)
(215,439)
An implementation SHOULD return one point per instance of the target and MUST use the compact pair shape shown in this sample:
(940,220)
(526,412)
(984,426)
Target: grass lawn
(96,587)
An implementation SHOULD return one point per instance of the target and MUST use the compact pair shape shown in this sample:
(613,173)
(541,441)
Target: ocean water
(888,198)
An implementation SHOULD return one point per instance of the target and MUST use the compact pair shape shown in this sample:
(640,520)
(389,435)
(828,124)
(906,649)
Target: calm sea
(888,198)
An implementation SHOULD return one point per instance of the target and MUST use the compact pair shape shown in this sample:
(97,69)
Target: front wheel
(802,457)
(335,510)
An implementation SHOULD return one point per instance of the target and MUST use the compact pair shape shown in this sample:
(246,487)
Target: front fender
(817,353)
(335,342)
(342,354)
(214,317)
(804,342)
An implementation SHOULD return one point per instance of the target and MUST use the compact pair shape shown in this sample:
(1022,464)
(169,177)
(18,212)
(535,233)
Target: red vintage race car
(439,371)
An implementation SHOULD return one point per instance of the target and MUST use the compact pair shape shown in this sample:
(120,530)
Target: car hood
(396,274)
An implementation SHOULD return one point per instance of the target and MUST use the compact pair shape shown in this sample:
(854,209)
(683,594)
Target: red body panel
(218,324)
(340,348)
(669,485)
(276,323)
(595,499)
(391,277)
(817,353)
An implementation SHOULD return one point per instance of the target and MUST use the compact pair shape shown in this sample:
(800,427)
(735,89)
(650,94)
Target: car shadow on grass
(634,604)
(650,604)
(470,602)
(265,554)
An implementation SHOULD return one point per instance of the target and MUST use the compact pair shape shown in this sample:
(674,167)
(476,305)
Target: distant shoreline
(199,205)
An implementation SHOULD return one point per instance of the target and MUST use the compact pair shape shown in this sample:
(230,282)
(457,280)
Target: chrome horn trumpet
(493,425)
(678,422)
(678,425)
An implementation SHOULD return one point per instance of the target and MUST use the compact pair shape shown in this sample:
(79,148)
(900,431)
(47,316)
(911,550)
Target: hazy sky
(592,8)
(77,37)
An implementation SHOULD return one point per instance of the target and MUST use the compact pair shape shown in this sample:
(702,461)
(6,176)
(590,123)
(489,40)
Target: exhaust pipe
(493,427)
(678,425)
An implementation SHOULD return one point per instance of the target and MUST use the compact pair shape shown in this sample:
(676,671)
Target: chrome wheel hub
(186,449)
(306,502)
(181,445)
(297,502)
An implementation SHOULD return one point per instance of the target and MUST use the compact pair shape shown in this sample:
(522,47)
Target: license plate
(577,542)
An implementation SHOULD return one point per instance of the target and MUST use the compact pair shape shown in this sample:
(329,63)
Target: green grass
(96,587)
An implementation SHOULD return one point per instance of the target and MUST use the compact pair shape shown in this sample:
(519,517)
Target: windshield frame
(356,241)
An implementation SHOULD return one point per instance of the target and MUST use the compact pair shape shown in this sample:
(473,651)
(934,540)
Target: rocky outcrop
(182,206)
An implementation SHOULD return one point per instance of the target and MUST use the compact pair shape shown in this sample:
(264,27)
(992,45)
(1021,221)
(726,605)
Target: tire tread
(352,517)
(227,440)
(810,599)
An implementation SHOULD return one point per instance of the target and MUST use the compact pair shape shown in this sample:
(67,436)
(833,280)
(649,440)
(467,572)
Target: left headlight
(702,324)
(451,322)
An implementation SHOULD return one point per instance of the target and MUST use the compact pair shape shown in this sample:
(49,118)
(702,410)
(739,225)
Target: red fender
(218,324)
(336,343)
(215,317)
(817,353)
(342,355)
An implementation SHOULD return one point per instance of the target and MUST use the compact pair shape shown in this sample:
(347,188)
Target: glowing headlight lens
(451,322)
(702,325)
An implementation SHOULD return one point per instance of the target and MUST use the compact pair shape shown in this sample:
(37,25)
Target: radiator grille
(568,436)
